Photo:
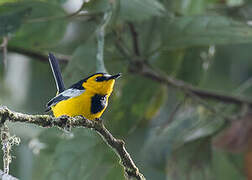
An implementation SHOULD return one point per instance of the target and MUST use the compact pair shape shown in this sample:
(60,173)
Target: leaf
(11,17)
(139,10)
(170,61)
(7,1)
(184,64)
(223,73)
(198,160)
(191,69)
(115,172)
(130,106)
(191,161)
(188,124)
(96,6)
(227,166)
(44,27)
(80,158)
(188,8)
(189,31)
(56,1)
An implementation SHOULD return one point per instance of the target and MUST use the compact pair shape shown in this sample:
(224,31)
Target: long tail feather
(56,73)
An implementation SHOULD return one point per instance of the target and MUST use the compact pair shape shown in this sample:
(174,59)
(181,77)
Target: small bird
(88,97)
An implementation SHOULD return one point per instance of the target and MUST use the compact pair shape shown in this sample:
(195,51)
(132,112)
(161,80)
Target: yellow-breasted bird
(88,97)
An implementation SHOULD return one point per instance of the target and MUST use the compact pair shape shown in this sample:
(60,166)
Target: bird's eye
(100,78)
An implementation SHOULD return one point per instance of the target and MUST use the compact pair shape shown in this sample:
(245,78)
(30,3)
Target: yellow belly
(80,105)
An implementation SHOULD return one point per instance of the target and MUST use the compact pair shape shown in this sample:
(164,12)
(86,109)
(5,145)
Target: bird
(88,97)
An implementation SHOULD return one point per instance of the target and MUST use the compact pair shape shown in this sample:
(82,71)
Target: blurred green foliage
(203,42)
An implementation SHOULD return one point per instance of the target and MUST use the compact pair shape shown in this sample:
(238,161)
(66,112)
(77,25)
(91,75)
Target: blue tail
(56,73)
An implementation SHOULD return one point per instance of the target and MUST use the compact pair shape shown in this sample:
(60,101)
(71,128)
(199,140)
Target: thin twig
(149,72)
(173,113)
(131,171)
(5,51)
(171,116)
(139,65)
(134,35)
(124,51)
(144,69)
(121,46)
(37,55)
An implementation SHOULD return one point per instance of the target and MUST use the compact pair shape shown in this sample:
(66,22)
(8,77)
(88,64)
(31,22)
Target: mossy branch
(7,143)
(130,169)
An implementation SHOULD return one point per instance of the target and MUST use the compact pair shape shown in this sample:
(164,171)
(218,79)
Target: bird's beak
(115,76)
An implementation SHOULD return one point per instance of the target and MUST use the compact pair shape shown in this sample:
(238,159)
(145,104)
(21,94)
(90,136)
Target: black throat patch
(98,103)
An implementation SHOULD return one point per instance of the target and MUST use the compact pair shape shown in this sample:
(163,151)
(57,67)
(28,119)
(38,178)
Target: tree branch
(139,65)
(7,143)
(131,171)
(37,55)
(134,35)
(144,69)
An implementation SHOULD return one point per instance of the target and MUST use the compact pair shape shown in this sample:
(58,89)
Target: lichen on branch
(7,143)
(130,169)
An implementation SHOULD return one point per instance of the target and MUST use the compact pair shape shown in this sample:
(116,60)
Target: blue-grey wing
(69,93)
